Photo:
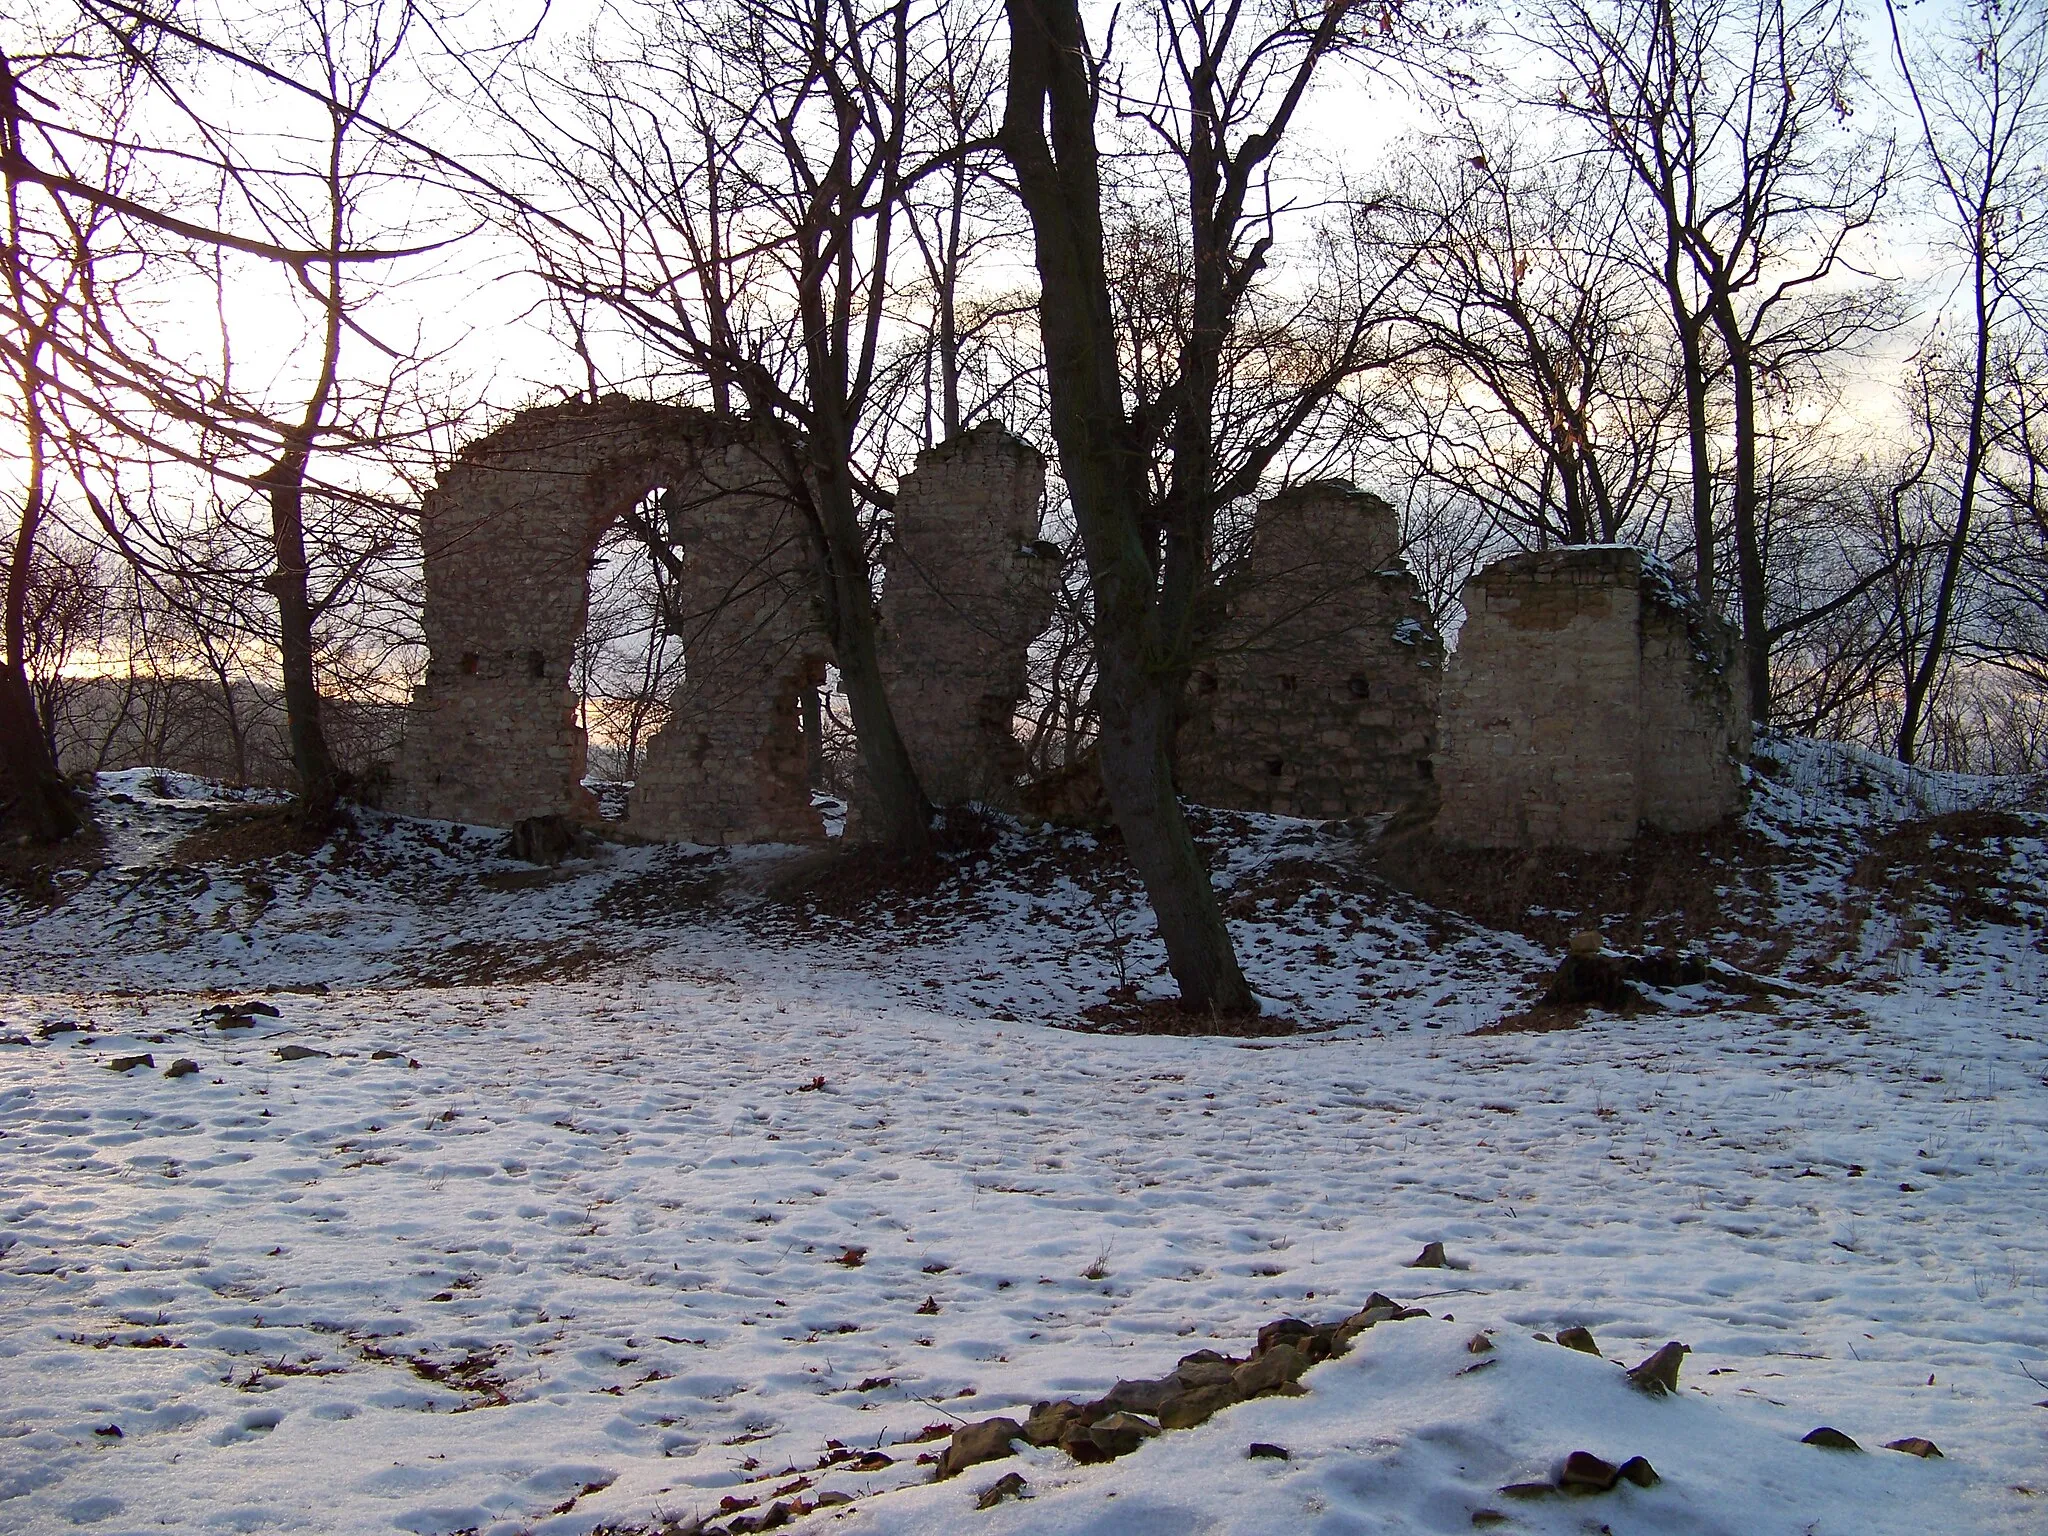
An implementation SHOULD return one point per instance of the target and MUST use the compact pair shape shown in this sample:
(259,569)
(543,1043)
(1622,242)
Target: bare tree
(1980,94)
(1154,447)
(67,602)
(2011,554)
(1733,117)
(338,178)
(196,190)
(50,253)
(742,183)
(1545,388)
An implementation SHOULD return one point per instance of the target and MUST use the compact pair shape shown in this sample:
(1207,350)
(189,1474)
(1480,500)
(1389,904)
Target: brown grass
(249,834)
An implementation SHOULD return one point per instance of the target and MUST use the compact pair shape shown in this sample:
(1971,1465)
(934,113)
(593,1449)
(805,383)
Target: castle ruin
(1589,694)
(509,534)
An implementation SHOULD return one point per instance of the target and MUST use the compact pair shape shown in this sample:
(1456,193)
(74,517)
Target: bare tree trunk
(320,784)
(1698,455)
(37,797)
(813,723)
(1142,670)
(320,781)
(902,815)
(1749,554)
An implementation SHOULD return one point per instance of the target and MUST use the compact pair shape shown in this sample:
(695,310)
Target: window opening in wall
(834,752)
(1361,686)
(1205,682)
(1288,682)
(1276,766)
(469,663)
(536,664)
(628,661)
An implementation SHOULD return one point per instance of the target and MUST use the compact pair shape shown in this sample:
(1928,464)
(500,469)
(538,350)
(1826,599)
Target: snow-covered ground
(671,1187)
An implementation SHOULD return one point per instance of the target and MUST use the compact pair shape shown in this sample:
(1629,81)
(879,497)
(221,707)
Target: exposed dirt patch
(251,834)
(864,880)
(35,873)
(1160,1016)
(496,962)
(1669,890)
(1539,1020)
(683,886)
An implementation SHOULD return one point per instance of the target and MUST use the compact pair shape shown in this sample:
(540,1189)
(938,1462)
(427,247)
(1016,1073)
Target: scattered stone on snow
(238,1015)
(1580,1339)
(1829,1439)
(1050,1423)
(184,1066)
(130,1063)
(987,1440)
(1196,1406)
(1009,1486)
(1597,979)
(1431,1257)
(1478,1344)
(1658,1375)
(300,1053)
(1583,1472)
(1119,1434)
(1667,968)
(1265,1450)
(1276,1370)
(1915,1445)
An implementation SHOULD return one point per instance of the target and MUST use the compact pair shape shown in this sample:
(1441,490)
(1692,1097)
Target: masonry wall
(508,534)
(730,766)
(1695,716)
(968,587)
(1320,697)
(1586,698)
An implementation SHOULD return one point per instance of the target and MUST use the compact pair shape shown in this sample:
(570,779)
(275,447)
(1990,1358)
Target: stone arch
(508,535)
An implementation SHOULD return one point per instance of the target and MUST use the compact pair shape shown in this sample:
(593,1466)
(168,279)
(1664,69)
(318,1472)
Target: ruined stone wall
(1320,697)
(1579,705)
(508,534)
(1696,726)
(730,766)
(968,588)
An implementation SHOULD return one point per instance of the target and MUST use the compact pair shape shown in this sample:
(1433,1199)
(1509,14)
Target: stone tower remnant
(1320,698)
(731,764)
(1590,694)
(969,586)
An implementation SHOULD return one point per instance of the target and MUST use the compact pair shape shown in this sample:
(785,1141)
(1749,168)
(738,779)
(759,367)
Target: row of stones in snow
(1206,1382)
(1132,1412)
